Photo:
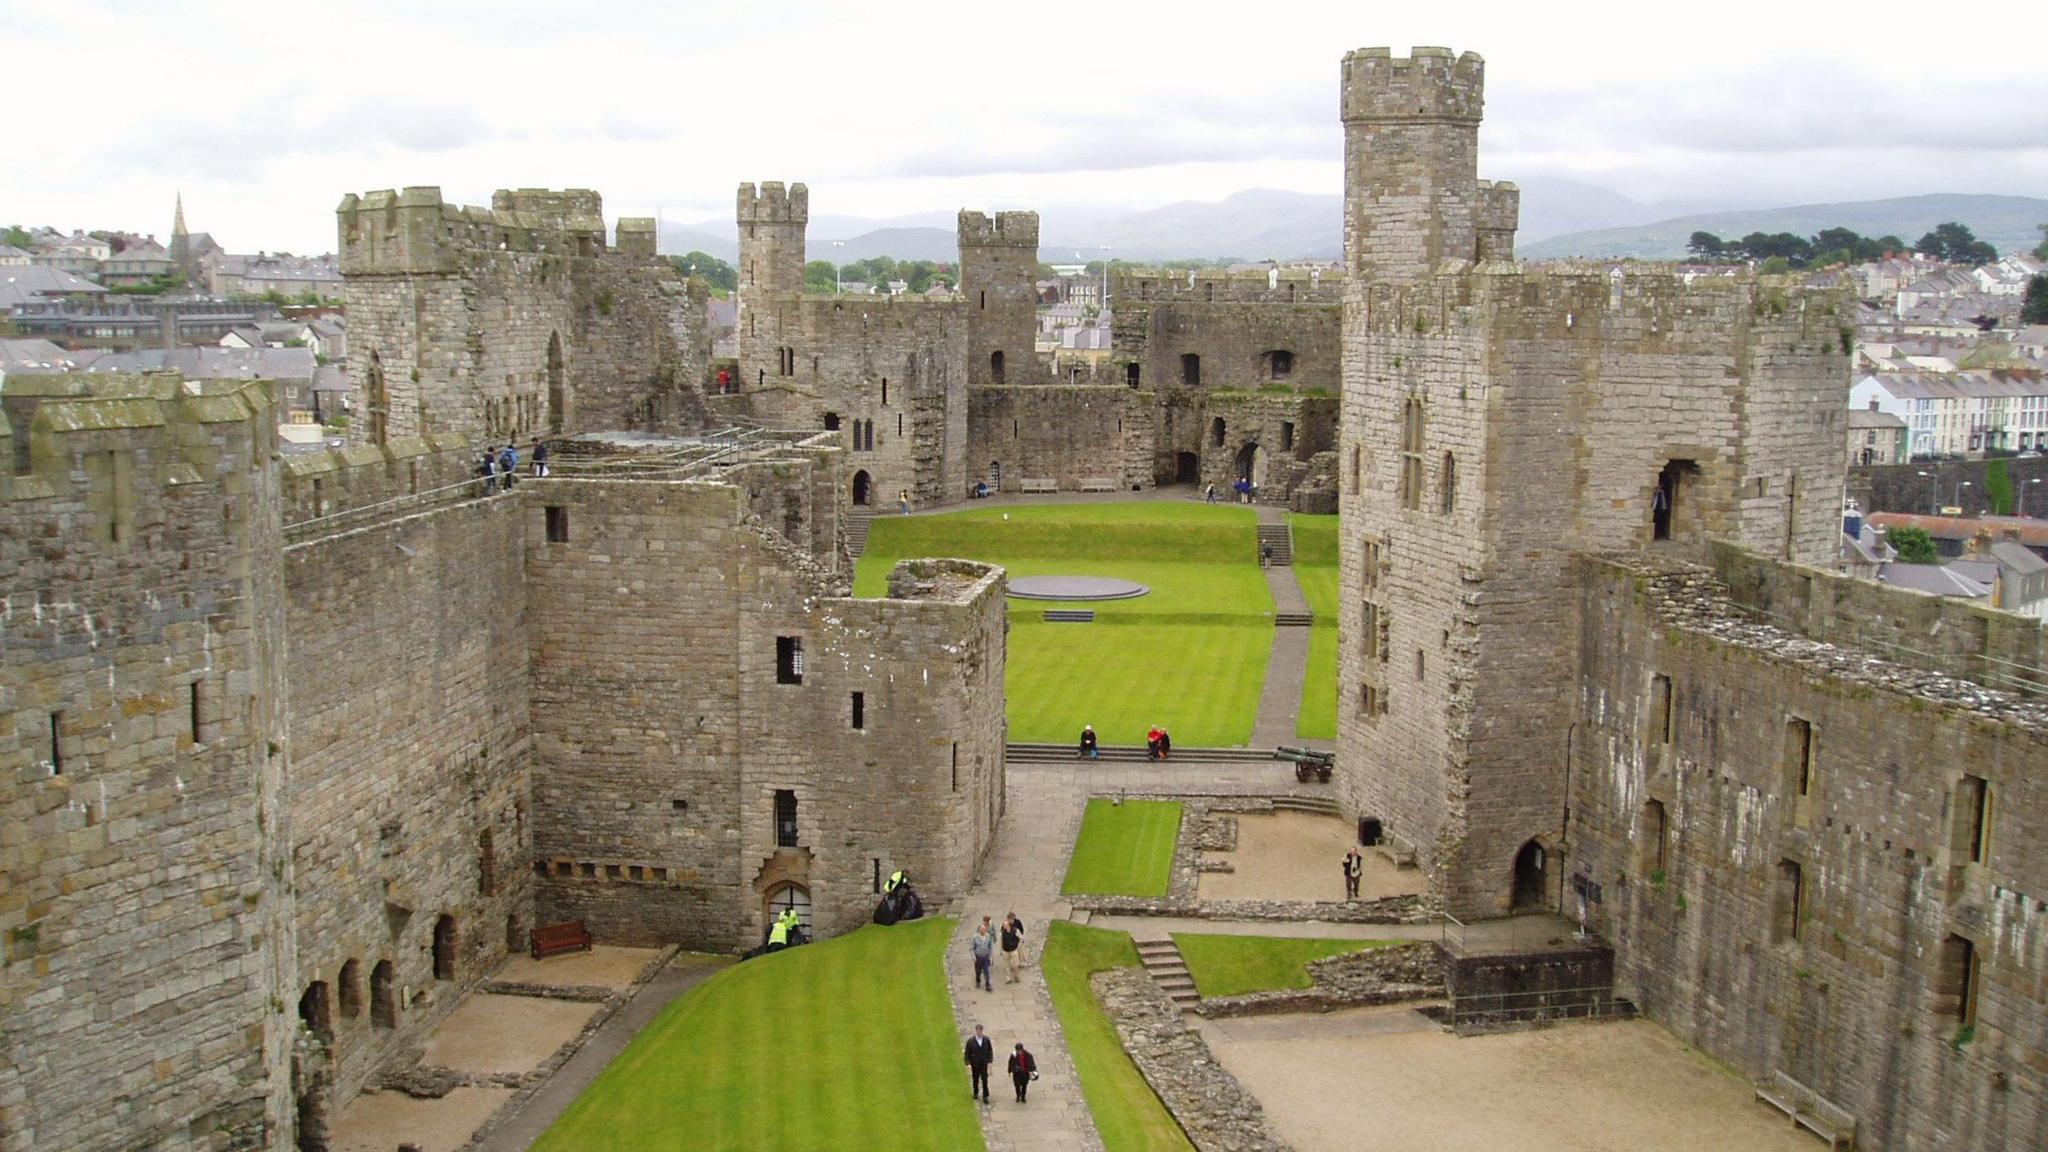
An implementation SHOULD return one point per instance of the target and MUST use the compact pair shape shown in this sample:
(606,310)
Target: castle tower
(772,223)
(998,265)
(1411,161)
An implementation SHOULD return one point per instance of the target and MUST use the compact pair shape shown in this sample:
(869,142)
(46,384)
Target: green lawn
(847,1043)
(1315,568)
(1232,965)
(1191,654)
(1125,849)
(1127,1113)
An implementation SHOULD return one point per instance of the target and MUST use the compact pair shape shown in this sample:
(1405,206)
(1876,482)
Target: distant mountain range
(1560,218)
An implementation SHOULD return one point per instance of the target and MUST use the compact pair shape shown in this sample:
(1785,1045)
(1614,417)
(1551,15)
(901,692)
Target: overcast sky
(264,116)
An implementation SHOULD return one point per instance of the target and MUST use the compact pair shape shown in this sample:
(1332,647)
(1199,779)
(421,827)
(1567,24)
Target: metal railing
(1586,1003)
(361,515)
(1504,936)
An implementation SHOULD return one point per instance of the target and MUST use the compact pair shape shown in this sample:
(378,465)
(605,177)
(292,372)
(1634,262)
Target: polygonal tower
(1411,161)
(998,265)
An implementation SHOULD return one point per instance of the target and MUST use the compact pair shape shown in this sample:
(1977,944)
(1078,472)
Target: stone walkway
(1022,874)
(1287,667)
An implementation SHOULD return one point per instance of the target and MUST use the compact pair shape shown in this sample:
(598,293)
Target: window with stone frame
(1956,980)
(1788,913)
(789,660)
(1970,821)
(1411,453)
(1369,564)
(1448,476)
(785,818)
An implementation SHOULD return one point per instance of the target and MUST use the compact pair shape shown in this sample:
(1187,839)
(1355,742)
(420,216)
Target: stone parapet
(1211,1107)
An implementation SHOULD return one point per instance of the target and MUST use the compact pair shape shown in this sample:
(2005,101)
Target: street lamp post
(835,267)
(1933,491)
(1102,301)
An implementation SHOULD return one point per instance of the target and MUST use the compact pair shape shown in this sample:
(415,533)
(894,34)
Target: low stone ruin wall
(1208,1103)
(1353,980)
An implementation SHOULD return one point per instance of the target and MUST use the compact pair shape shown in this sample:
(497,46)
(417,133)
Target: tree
(714,271)
(1914,545)
(2040,250)
(1954,243)
(2034,309)
(819,277)
(1706,246)
(15,236)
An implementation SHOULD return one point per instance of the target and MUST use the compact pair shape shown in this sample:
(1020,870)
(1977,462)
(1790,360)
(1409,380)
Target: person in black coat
(1022,1069)
(980,1054)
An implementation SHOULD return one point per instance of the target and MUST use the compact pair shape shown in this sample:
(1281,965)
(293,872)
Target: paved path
(538,1111)
(1512,934)
(1022,874)
(1287,667)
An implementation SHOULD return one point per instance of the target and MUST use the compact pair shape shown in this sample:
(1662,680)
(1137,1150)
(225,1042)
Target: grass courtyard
(1124,849)
(874,1062)
(1190,655)
(1127,1114)
(1315,568)
(1234,965)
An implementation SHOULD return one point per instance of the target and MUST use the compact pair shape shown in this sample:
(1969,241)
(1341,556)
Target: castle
(301,745)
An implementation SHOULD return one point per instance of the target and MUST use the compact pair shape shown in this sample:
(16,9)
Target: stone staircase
(857,532)
(1294,619)
(1275,536)
(1133,753)
(1069,616)
(1163,962)
(1320,805)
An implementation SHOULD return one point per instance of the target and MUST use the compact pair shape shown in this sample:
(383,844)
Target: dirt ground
(604,966)
(1386,1078)
(1300,856)
(378,1122)
(489,1033)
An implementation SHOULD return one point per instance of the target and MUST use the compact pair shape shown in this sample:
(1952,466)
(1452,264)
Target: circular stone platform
(1074,588)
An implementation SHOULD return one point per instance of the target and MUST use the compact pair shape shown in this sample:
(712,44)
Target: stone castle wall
(1067,433)
(1686,828)
(411,765)
(1551,401)
(145,886)
(661,743)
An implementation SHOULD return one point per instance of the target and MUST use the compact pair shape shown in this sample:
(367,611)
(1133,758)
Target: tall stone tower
(998,265)
(1499,421)
(772,221)
(1411,161)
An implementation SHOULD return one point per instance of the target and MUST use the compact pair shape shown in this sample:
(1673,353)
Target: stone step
(1293,619)
(1277,538)
(1069,616)
(1322,805)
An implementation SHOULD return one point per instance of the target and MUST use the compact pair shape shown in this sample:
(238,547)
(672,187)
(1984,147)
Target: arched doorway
(1251,464)
(863,489)
(1532,870)
(558,391)
(1187,468)
(1669,515)
(383,998)
(784,897)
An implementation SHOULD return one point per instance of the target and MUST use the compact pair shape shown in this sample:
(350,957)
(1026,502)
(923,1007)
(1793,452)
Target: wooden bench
(568,936)
(1099,484)
(1809,1110)
(1038,485)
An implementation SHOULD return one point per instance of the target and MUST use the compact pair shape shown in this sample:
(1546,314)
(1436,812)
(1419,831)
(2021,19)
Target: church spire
(178,220)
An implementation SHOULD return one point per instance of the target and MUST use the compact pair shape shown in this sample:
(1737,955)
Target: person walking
(1089,750)
(1209,493)
(903,498)
(1354,867)
(488,470)
(540,458)
(983,948)
(1023,1070)
(508,463)
(980,1054)
(1013,948)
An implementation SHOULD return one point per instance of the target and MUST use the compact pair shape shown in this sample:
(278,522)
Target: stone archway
(784,897)
(1251,464)
(1532,877)
(863,489)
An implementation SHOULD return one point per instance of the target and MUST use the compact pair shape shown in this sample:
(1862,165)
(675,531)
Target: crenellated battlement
(1278,286)
(774,203)
(1428,84)
(637,236)
(1500,206)
(415,231)
(115,430)
(1002,230)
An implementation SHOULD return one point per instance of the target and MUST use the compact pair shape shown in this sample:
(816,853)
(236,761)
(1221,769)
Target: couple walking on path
(984,946)
(981,1054)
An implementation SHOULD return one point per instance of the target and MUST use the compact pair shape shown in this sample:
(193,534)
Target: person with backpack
(1023,1070)
(487,470)
(508,464)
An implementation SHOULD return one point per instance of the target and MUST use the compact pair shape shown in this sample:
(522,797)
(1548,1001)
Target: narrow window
(899,424)
(983,299)
(785,818)
(1421,665)
(1216,432)
(995,367)
(1798,768)
(1369,630)
(1190,370)
(1411,453)
(1955,986)
(192,709)
(860,711)
(1450,483)
(486,864)
(789,660)
(383,997)
(1654,832)
(444,948)
(956,765)
(1786,913)
(558,524)
(56,743)
(1131,374)
(1660,709)
(885,391)
(1369,566)
(1970,841)
(351,989)
(1287,435)
(831,421)
(1357,458)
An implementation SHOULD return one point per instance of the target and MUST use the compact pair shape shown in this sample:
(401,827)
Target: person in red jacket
(1023,1070)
